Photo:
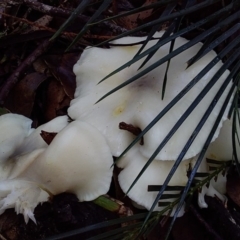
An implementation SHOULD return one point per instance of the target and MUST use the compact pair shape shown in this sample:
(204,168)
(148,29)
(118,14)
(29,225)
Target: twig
(12,80)
(59,12)
(39,26)
(66,34)
(52,11)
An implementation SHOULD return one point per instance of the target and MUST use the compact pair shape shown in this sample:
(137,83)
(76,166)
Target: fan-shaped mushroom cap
(18,164)
(78,160)
(155,174)
(140,102)
(216,187)
(17,192)
(14,129)
(35,141)
(221,150)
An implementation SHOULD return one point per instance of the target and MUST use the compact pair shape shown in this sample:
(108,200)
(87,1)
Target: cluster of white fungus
(79,158)
(138,103)
(220,150)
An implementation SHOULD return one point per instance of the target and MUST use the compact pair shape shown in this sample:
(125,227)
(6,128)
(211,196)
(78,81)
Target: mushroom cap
(17,192)
(139,102)
(35,141)
(18,164)
(14,129)
(221,149)
(155,174)
(216,186)
(78,160)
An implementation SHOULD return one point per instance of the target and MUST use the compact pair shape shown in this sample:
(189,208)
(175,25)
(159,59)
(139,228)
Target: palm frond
(102,8)
(132,231)
(154,188)
(196,131)
(163,19)
(136,10)
(170,55)
(115,232)
(98,226)
(208,46)
(212,38)
(154,29)
(202,153)
(73,16)
(223,53)
(163,41)
(235,133)
(173,28)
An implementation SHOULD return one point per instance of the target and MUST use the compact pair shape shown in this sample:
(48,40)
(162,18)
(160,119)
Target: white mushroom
(155,174)
(213,188)
(19,193)
(78,160)
(14,129)
(140,102)
(35,141)
(221,150)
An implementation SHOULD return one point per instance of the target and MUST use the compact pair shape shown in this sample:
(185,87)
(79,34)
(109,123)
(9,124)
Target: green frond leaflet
(102,8)
(73,16)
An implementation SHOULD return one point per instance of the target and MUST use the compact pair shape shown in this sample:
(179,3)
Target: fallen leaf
(134,20)
(57,101)
(21,98)
(61,67)
(48,136)
(233,187)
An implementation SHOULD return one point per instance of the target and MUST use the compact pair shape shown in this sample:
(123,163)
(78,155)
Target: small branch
(67,35)
(39,26)
(12,80)
(59,12)
(52,11)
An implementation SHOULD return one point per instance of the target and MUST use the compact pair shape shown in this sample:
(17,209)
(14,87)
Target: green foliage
(3,111)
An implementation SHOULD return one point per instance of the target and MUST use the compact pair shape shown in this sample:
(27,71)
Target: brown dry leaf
(61,67)
(193,230)
(48,136)
(40,66)
(5,67)
(8,223)
(233,187)
(57,101)
(21,98)
(220,223)
(134,20)
(186,227)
